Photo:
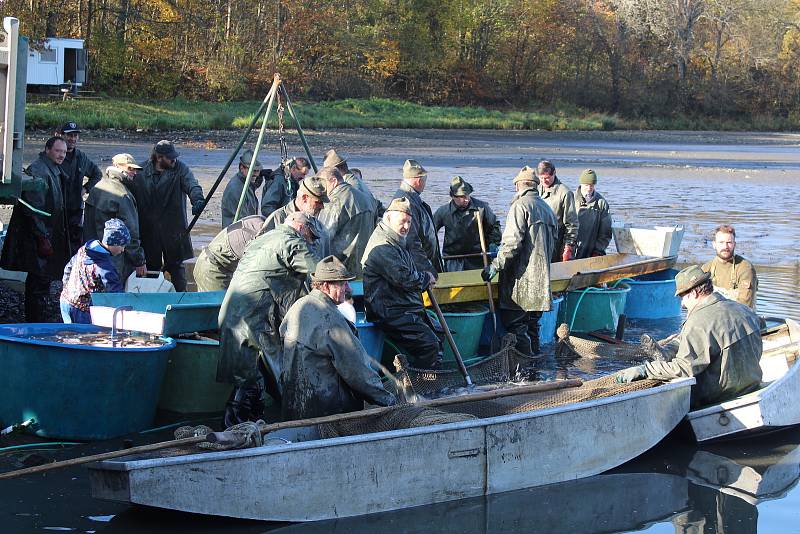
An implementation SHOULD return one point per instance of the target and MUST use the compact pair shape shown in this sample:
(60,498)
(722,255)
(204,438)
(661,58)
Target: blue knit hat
(116,233)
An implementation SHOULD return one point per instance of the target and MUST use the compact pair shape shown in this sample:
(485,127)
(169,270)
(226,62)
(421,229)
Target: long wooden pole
(450,340)
(485,256)
(489,395)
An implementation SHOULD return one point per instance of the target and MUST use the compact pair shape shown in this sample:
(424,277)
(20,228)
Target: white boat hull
(356,475)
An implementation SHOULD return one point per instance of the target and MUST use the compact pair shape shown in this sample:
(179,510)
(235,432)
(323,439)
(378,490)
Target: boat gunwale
(202,457)
(754,397)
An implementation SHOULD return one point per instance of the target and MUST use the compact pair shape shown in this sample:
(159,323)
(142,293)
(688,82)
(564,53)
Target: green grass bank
(363,113)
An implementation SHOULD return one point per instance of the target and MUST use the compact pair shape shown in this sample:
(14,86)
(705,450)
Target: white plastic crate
(659,241)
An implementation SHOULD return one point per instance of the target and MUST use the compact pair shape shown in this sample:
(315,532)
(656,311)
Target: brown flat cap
(526,174)
(412,169)
(400,204)
(314,185)
(330,269)
(332,159)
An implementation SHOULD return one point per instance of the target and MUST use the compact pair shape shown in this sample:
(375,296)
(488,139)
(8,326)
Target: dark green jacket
(392,283)
(277,192)
(720,345)
(321,247)
(523,258)
(230,199)
(562,202)
(325,368)
(461,234)
(361,185)
(217,262)
(349,218)
(110,199)
(594,225)
(20,246)
(423,243)
(161,199)
(270,277)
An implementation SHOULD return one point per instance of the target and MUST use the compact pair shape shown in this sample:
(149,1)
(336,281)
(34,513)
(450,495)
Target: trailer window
(48,55)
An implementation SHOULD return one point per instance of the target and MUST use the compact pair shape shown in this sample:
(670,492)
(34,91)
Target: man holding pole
(459,217)
(523,262)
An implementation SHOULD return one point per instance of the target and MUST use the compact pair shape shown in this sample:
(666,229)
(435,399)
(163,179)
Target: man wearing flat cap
(111,198)
(393,285)
(349,218)
(720,344)
(161,189)
(594,220)
(562,202)
(280,190)
(76,167)
(310,200)
(423,242)
(352,177)
(459,217)
(325,367)
(216,263)
(233,191)
(523,261)
(270,277)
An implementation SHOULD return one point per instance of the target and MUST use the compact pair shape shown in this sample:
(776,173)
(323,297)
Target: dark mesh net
(410,415)
(575,346)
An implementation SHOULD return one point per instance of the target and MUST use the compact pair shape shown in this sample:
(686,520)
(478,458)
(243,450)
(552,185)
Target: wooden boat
(773,406)
(467,286)
(307,478)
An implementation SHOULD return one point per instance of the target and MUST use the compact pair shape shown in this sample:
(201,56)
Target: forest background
(659,62)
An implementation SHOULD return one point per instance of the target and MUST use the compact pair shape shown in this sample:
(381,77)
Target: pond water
(696,180)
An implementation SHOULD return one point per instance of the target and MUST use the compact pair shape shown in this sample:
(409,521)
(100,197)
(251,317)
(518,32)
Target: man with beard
(310,200)
(37,242)
(461,235)
(233,191)
(161,190)
(393,285)
(594,220)
(270,277)
(278,190)
(111,199)
(562,202)
(76,166)
(731,274)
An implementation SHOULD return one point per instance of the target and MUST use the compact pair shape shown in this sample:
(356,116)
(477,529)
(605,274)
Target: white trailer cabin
(58,61)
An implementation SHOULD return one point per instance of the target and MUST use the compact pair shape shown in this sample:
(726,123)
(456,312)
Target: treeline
(638,58)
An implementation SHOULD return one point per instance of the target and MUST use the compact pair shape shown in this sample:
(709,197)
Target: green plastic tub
(190,385)
(466,324)
(597,308)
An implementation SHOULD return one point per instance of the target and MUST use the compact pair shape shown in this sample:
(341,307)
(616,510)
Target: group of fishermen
(286,260)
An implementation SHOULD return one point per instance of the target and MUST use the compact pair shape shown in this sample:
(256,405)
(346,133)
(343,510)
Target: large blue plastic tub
(652,296)
(370,336)
(77,392)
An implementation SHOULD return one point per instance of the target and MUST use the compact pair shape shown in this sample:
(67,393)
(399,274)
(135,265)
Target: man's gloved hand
(493,248)
(43,247)
(488,273)
(197,207)
(630,374)
(568,253)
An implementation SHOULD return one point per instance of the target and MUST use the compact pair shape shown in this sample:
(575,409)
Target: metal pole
(485,256)
(228,164)
(290,109)
(276,82)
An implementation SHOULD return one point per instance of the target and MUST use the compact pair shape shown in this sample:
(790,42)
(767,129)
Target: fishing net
(499,367)
(410,415)
(580,347)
